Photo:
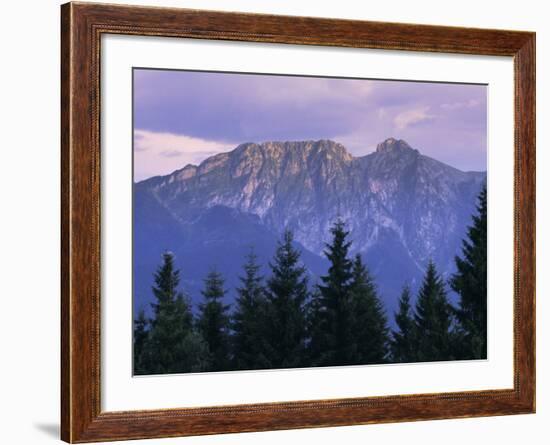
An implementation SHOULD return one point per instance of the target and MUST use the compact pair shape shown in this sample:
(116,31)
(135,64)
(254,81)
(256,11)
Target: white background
(29,235)
(121,392)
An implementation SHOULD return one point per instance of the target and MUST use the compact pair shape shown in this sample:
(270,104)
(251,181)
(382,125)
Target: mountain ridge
(389,145)
(395,201)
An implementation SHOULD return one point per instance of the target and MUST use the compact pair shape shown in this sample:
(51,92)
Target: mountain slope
(401,207)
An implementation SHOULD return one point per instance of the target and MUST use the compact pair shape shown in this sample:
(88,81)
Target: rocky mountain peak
(333,149)
(305,151)
(392,145)
(304,148)
(186,172)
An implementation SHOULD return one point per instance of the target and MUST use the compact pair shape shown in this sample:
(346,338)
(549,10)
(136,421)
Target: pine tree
(214,321)
(470,283)
(433,319)
(249,343)
(172,345)
(287,292)
(333,340)
(403,344)
(165,290)
(370,330)
(315,325)
(140,340)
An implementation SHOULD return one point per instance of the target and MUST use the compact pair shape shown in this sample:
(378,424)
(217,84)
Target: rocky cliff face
(401,207)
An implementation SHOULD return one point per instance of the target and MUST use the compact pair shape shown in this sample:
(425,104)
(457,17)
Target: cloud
(159,153)
(412,117)
(171,143)
(382,113)
(197,156)
(171,153)
(186,110)
(284,90)
(458,105)
(247,107)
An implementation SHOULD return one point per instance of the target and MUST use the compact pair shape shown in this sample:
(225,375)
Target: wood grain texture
(81,28)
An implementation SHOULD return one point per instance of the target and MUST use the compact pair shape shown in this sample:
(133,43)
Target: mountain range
(402,209)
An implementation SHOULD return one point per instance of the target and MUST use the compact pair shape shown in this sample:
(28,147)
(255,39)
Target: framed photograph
(275,222)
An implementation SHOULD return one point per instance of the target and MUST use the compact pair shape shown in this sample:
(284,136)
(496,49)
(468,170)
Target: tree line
(281,322)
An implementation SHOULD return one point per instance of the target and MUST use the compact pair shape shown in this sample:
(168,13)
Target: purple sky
(183,117)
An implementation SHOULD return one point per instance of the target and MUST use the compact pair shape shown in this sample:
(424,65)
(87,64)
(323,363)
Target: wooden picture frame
(82,25)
